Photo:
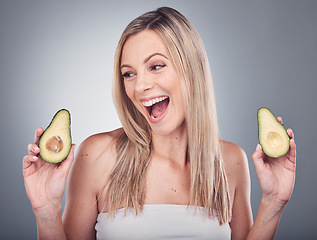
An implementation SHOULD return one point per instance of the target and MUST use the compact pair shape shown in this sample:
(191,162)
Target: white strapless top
(161,221)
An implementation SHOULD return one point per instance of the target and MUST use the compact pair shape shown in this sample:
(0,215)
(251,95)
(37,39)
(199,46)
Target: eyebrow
(152,55)
(146,59)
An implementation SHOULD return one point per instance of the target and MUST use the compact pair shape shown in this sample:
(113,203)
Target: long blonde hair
(127,182)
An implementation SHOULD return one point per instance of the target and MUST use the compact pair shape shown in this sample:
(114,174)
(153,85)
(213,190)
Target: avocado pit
(274,139)
(54,144)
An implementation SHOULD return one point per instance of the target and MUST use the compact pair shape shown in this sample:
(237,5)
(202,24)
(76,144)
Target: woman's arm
(88,175)
(44,184)
(238,175)
(277,178)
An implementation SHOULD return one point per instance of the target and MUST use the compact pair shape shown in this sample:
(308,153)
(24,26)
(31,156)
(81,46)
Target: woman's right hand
(45,182)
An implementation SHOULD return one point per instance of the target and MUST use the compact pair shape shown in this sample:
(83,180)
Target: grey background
(59,54)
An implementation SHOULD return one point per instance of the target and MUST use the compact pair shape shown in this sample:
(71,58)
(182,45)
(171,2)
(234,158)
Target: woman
(165,174)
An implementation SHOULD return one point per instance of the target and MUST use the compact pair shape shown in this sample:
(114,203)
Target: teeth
(153,101)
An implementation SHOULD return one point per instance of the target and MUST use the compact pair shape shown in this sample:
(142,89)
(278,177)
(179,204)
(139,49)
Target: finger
(279,119)
(290,133)
(28,164)
(38,134)
(28,159)
(292,151)
(33,149)
(257,157)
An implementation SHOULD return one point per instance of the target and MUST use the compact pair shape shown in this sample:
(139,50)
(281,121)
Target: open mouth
(156,107)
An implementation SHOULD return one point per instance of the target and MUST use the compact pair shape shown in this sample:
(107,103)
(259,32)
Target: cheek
(129,90)
(174,86)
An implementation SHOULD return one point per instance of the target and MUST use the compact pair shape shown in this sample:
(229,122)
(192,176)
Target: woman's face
(152,83)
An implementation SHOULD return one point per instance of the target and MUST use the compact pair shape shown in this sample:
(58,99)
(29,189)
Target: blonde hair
(127,182)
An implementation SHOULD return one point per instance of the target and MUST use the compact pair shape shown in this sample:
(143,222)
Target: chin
(166,130)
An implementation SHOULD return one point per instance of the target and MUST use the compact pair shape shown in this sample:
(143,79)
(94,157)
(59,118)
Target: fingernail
(34,157)
(258,147)
(36,148)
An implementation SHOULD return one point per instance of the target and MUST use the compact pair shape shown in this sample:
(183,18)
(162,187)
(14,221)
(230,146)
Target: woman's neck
(172,147)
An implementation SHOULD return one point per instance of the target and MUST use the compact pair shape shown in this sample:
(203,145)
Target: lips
(156,107)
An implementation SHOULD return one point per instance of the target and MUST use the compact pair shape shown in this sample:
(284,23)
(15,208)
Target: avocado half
(272,135)
(55,143)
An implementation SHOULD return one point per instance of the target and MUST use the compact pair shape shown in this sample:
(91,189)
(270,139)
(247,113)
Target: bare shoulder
(236,164)
(98,143)
(232,153)
(95,158)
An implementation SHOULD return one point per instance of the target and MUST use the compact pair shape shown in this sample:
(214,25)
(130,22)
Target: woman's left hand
(276,175)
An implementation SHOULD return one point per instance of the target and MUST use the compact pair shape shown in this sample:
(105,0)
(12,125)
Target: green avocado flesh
(55,143)
(272,134)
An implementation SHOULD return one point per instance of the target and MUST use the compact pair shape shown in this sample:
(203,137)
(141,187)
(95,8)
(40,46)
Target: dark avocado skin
(70,135)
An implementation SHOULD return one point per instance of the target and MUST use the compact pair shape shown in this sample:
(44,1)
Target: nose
(143,83)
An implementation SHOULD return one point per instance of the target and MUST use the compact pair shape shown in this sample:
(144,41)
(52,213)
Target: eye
(157,66)
(127,75)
